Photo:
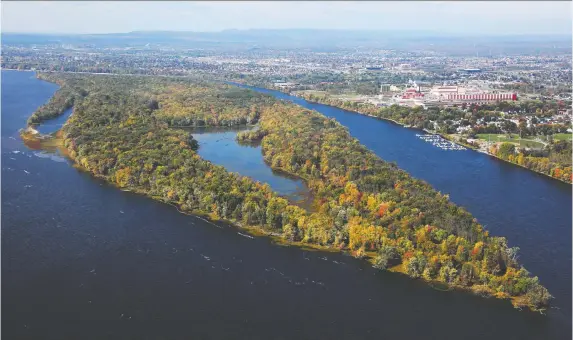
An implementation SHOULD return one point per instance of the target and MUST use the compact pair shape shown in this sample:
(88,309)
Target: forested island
(124,130)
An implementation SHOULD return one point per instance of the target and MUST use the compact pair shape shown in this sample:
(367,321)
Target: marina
(440,142)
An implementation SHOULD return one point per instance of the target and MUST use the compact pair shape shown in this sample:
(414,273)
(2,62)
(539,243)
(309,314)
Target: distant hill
(307,39)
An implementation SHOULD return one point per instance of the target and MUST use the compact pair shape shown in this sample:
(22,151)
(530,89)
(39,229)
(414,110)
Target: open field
(313,92)
(561,136)
(528,143)
(340,96)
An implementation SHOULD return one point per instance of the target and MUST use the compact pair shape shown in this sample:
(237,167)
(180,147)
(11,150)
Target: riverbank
(55,143)
(486,151)
(47,144)
(445,136)
(153,248)
(337,158)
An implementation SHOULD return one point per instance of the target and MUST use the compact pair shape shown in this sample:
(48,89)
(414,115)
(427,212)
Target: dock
(440,142)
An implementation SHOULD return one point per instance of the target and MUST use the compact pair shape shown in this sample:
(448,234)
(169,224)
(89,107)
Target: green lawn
(347,96)
(528,143)
(562,136)
(313,92)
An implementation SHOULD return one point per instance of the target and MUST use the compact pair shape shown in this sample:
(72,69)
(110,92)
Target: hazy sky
(529,17)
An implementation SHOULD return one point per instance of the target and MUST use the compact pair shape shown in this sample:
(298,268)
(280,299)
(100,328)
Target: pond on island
(220,146)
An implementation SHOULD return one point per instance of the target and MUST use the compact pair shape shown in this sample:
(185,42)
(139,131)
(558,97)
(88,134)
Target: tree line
(554,160)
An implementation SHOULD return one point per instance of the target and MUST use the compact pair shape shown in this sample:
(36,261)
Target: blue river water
(81,259)
(532,211)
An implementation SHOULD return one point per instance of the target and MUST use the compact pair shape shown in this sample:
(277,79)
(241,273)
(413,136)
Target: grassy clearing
(560,136)
(314,93)
(514,139)
(348,96)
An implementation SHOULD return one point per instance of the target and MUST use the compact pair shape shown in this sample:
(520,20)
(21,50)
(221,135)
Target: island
(126,130)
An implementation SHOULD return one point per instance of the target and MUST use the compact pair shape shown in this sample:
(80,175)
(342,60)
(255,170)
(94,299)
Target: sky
(492,17)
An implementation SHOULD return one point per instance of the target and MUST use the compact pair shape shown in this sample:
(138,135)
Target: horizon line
(568,34)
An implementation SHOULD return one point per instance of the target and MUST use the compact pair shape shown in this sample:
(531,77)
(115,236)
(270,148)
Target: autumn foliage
(364,205)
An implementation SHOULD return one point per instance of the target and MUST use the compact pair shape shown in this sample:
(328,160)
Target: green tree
(505,149)
(386,256)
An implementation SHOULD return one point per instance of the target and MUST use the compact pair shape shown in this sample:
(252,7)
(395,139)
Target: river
(531,210)
(82,259)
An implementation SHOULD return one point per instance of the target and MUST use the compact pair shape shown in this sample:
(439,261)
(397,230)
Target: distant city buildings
(450,95)
(383,76)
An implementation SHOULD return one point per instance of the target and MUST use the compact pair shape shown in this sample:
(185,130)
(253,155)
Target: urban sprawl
(521,97)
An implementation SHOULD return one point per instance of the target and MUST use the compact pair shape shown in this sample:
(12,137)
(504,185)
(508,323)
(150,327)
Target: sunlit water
(83,260)
(531,210)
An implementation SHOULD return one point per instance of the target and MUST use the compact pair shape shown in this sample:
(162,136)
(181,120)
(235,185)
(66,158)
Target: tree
(275,209)
(505,149)
(123,177)
(447,274)
(467,274)
(386,256)
(538,295)
(522,127)
(416,265)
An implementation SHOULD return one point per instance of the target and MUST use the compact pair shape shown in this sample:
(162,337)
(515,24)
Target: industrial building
(483,97)
(412,94)
(458,94)
(450,95)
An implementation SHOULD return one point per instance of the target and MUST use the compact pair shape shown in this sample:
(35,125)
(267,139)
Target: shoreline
(277,237)
(447,137)
(314,102)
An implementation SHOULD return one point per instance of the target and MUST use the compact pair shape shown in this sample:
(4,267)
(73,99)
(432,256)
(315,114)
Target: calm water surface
(53,125)
(219,145)
(531,210)
(83,260)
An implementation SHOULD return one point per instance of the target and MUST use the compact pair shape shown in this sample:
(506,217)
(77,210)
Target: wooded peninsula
(124,129)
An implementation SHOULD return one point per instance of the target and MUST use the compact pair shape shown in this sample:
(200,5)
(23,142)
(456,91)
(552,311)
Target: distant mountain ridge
(299,38)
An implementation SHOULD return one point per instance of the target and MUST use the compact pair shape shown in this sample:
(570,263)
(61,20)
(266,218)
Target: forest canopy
(122,131)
